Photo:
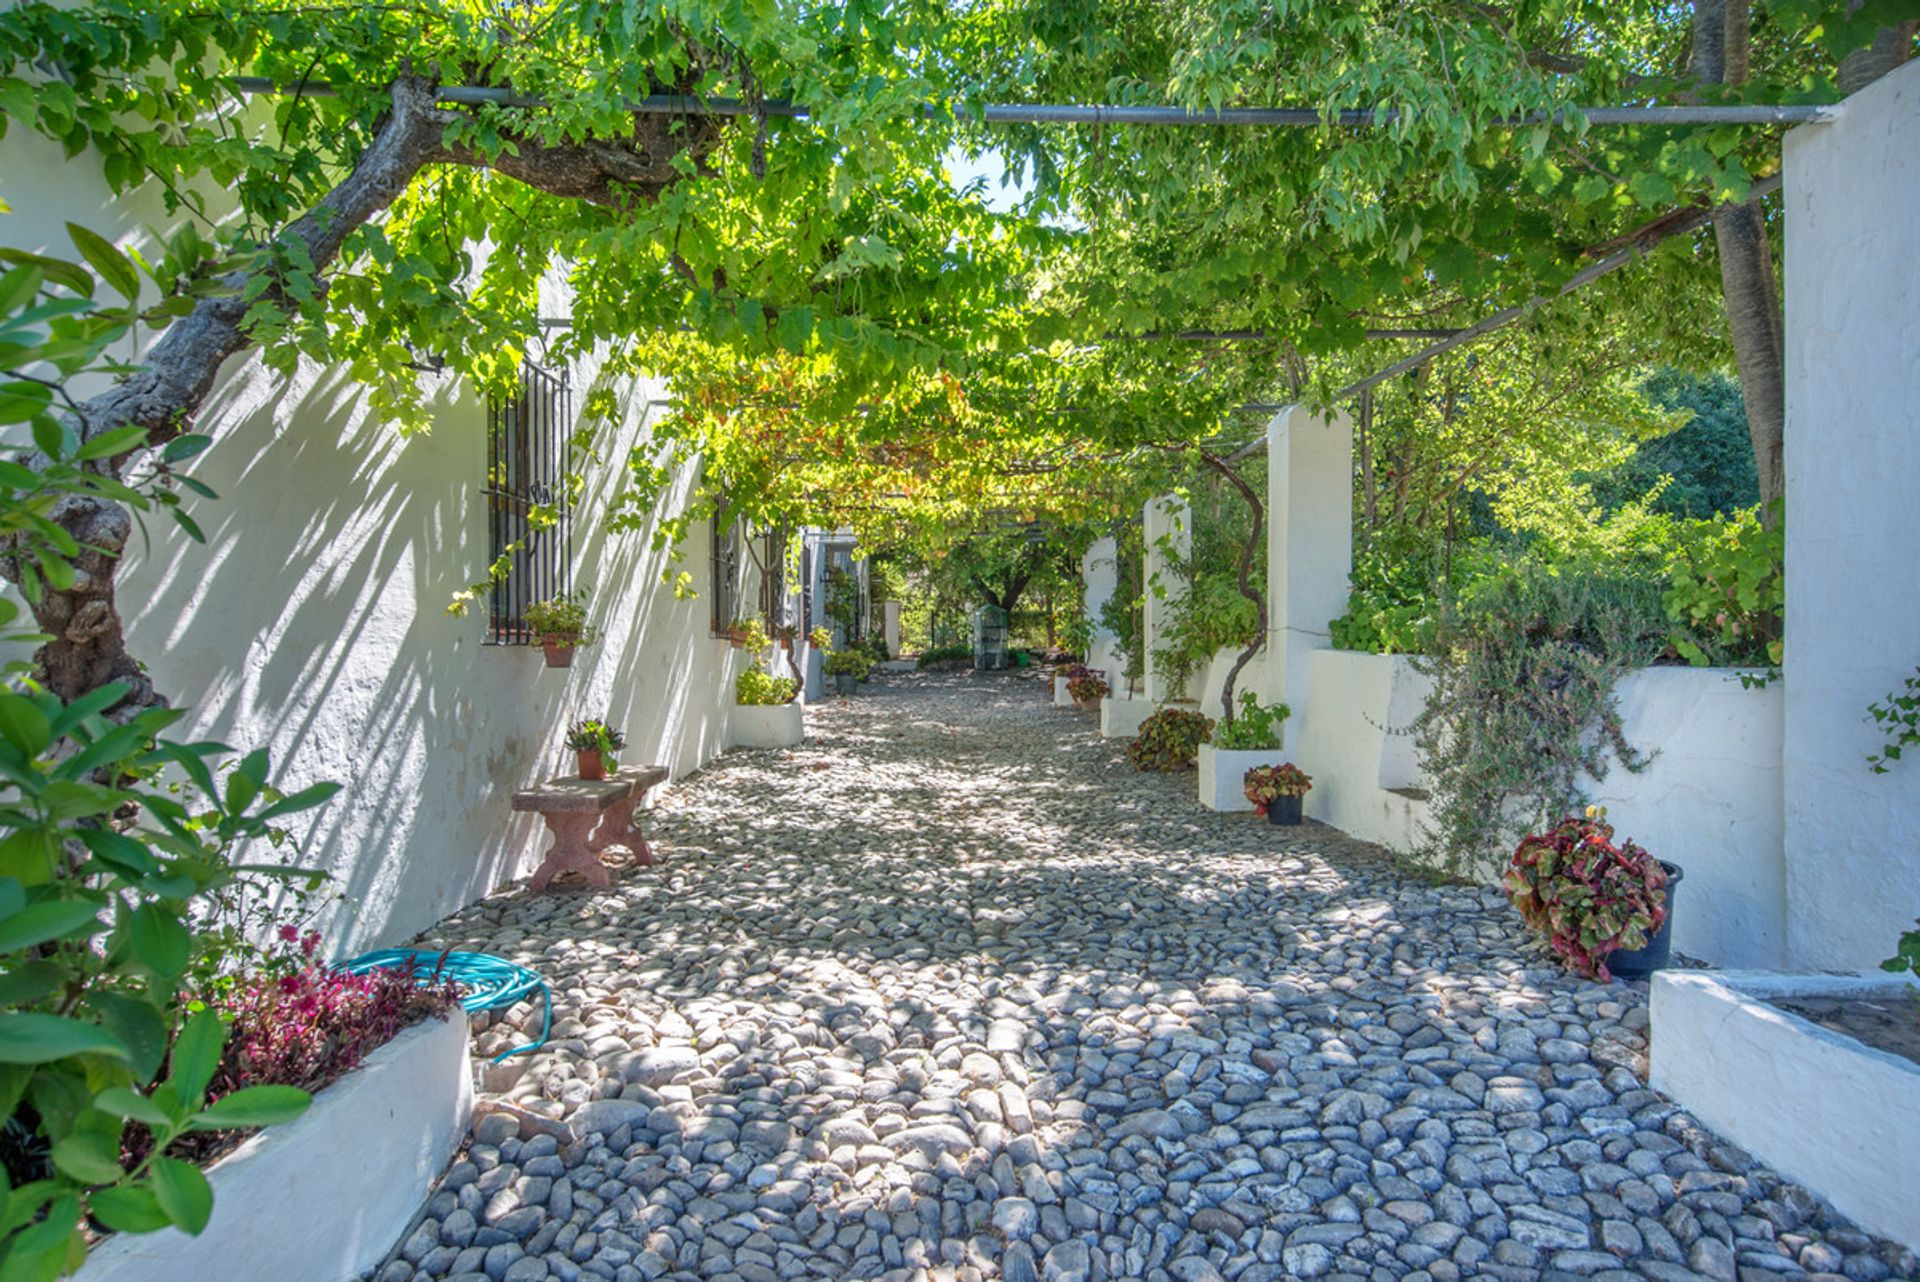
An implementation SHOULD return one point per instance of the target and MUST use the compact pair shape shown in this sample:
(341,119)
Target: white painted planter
(1826,1110)
(327,1195)
(1121,718)
(1061,699)
(780,725)
(1223,774)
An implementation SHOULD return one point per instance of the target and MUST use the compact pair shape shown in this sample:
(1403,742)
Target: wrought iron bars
(529,516)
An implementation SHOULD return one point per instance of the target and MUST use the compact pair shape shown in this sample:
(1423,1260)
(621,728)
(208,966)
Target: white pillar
(890,627)
(1168,534)
(1309,546)
(1852,856)
(1099,573)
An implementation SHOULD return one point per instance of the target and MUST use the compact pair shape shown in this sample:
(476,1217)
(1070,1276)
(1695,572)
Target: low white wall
(1709,801)
(778,725)
(327,1195)
(1825,1110)
(1121,718)
(1341,739)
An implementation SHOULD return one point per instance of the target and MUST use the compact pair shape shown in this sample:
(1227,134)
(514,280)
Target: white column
(1852,857)
(1168,534)
(1309,545)
(890,627)
(1099,573)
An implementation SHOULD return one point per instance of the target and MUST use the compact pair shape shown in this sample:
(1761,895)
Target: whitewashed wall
(1099,577)
(1853,579)
(313,620)
(1708,801)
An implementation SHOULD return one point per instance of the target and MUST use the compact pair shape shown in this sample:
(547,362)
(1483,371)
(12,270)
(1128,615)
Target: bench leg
(619,828)
(571,851)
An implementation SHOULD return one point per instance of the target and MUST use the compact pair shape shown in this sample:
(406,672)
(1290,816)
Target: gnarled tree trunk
(1721,56)
(88,649)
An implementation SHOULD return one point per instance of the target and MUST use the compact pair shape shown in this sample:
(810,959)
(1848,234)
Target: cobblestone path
(952,992)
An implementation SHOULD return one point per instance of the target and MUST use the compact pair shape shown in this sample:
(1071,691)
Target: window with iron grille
(806,586)
(529,520)
(773,578)
(726,574)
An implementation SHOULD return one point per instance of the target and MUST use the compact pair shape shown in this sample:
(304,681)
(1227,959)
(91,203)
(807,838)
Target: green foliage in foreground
(116,844)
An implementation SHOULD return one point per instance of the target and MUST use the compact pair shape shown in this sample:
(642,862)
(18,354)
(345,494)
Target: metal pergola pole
(1002,113)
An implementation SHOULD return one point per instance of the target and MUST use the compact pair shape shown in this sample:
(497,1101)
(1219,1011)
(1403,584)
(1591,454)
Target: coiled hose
(491,983)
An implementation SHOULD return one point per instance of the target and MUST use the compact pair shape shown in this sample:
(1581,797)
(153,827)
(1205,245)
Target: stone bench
(586,816)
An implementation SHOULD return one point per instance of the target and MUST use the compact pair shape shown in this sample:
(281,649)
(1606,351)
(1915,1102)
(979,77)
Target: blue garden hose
(491,983)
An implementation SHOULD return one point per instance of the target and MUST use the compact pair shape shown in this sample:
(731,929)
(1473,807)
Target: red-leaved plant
(300,1022)
(1266,784)
(1589,897)
(1085,685)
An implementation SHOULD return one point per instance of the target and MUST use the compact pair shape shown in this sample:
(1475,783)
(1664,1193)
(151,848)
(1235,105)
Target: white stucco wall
(1853,580)
(1340,737)
(1168,533)
(313,621)
(1709,800)
(1099,577)
(1309,547)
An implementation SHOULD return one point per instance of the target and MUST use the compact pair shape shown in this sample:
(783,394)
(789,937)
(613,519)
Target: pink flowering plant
(296,1021)
(1588,896)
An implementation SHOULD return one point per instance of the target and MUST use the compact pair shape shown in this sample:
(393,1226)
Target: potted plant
(1278,792)
(847,667)
(595,742)
(1605,909)
(748,633)
(1170,739)
(1086,687)
(820,638)
(560,623)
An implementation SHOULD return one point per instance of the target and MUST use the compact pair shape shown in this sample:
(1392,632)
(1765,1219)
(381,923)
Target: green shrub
(945,654)
(1727,596)
(119,873)
(1523,708)
(851,663)
(1392,608)
(1253,727)
(1211,617)
(758,689)
(1170,739)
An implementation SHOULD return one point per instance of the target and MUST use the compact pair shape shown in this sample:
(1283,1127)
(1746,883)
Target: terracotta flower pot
(592,764)
(559,651)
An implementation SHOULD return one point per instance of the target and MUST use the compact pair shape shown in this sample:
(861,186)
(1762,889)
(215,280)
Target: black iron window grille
(726,574)
(773,578)
(529,517)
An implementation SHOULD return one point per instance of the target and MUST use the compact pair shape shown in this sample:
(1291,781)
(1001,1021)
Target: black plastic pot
(1638,963)
(1285,810)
